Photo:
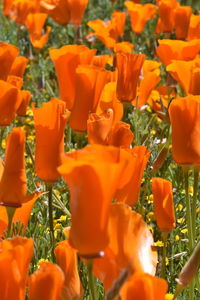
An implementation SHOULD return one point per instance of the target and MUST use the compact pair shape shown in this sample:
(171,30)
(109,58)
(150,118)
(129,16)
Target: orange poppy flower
(25,100)
(9,102)
(15,256)
(50,122)
(13,186)
(85,173)
(35,23)
(66,59)
(125,47)
(8,54)
(46,283)
(169,50)
(144,286)
(128,67)
(108,100)
(140,14)
(101,60)
(185,119)
(77,9)
(118,20)
(194,27)
(159,100)
(120,135)
(66,258)
(129,191)
(130,246)
(90,81)
(150,74)
(102,30)
(182,21)
(58,10)
(18,67)
(21,8)
(166,12)
(163,204)
(190,80)
(99,126)
(22,215)
(16,81)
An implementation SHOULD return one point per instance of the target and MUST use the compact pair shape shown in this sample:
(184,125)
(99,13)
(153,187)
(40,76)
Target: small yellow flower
(150,216)
(181,220)
(153,132)
(159,244)
(177,237)
(150,198)
(185,230)
(166,261)
(57,226)
(191,190)
(3,144)
(63,218)
(179,207)
(169,296)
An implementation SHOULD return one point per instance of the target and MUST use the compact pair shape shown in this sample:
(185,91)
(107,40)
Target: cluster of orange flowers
(104,178)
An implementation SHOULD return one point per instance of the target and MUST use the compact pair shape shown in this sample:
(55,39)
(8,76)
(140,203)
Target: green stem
(91,282)
(188,212)
(194,203)
(2,130)
(10,213)
(164,254)
(49,188)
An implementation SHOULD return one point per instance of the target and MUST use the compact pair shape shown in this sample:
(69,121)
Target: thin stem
(164,254)
(91,282)
(10,213)
(194,203)
(49,188)
(188,212)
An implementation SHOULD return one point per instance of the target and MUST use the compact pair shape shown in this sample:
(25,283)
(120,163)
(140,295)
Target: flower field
(99,150)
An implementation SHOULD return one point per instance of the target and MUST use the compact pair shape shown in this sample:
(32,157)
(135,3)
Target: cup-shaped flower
(21,215)
(66,258)
(35,24)
(13,187)
(130,246)
(66,59)
(15,256)
(169,50)
(144,286)
(128,67)
(128,192)
(46,283)
(163,204)
(185,119)
(194,27)
(90,81)
(77,9)
(18,67)
(8,53)
(25,100)
(99,127)
(182,21)
(166,12)
(58,10)
(50,122)
(190,80)
(121,135)
(109,100)
(92,191)
(9,102)
(140,14)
